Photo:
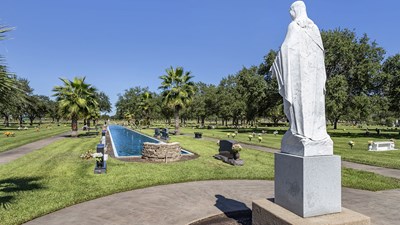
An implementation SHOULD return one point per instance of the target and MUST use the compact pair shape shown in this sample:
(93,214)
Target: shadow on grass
(83,135)
(8,129)
(364,135)
(267,130)
(89,135)
(12,186)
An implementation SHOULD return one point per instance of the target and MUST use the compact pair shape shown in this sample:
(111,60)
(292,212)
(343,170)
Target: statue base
(308,186)
(266,212)
(301,146)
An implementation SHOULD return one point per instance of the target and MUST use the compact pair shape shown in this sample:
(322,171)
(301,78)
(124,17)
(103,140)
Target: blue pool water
(128,142)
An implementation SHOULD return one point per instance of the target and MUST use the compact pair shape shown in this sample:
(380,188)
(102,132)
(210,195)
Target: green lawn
(340,137)
(23,137)
(55,177)
(360,154)
(268,139)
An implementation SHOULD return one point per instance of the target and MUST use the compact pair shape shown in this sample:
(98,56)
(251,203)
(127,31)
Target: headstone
(100,148)
(382,146)
(198,135)
(101,166)
(225,148)
(103,137)
(164,134)
(157,132)
(226,154)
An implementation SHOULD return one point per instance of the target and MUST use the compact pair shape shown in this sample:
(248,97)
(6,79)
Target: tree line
(74,100)
(363,86)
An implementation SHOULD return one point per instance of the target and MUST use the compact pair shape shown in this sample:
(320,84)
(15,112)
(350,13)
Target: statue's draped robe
(300,71)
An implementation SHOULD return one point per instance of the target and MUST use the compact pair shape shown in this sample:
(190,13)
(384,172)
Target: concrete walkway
(10,155)
(374,169)
(187,202)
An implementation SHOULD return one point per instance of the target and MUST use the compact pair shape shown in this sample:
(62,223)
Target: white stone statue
(300,70)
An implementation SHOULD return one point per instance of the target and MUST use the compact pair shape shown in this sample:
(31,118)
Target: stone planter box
(161,152)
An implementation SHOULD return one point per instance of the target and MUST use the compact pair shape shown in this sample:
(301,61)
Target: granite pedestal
(308,186)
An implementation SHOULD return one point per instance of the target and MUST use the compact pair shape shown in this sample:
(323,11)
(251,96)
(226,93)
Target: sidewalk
(387,172)
(183,203)
(13,154)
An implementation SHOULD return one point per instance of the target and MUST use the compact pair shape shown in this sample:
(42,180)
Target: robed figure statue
(300,70)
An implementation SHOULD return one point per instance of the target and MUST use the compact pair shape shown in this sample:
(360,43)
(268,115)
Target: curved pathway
(13,154)
(187,202)
(387,172)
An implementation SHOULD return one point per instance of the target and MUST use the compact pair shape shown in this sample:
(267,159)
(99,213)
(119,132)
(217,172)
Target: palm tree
(177,91)
(128,116)
(92,115)
(76,99)
(145,106)
(7,83)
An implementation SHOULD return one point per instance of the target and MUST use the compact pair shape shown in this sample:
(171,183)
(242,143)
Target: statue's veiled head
(299,14)
(298,10)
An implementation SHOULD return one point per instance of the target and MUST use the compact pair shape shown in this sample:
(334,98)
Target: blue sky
(126,43)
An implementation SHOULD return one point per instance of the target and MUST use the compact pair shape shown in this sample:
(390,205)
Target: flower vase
(99,164)
(236,155)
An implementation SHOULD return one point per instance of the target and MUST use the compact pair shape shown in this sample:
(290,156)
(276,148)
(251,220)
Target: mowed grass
(268,139)
(341,137)
(55,177)
(23,137)
(350,178)
(360,154)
